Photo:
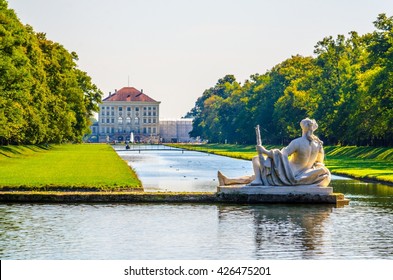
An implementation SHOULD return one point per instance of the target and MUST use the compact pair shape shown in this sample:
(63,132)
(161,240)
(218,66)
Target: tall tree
(44,97)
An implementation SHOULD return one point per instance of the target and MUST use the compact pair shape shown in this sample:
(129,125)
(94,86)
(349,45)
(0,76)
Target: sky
(176,49)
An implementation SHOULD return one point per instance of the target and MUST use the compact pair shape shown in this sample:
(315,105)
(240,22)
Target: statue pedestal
(275,190)
(280,194)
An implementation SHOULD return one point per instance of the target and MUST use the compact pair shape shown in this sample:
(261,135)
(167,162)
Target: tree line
(347,86)
(44,97)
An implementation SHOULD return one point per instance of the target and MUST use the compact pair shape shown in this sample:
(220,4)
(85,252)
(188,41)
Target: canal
(361,230)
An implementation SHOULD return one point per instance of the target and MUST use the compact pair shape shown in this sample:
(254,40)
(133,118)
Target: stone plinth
(280,194)
(275,190)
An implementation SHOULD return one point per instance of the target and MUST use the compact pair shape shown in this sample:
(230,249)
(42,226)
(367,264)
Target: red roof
(129,94)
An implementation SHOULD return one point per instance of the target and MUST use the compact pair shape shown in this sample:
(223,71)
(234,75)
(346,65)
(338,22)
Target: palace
(127,111)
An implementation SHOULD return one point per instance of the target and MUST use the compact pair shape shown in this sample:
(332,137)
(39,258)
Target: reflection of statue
(284,231)
(300,163)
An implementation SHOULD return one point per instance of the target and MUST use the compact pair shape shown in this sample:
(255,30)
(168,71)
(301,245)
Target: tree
(346,88)
(380,80)
(44,97)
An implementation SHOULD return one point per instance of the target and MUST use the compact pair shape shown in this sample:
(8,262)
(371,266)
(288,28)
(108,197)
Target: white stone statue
(300,163)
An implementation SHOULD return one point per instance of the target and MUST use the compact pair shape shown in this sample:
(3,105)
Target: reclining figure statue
(300,163)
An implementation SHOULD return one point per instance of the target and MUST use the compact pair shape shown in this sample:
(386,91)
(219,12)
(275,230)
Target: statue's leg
(257,171)
(320,176)
(224,181)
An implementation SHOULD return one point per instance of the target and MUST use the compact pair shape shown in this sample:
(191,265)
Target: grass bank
(364,163)
(65,167)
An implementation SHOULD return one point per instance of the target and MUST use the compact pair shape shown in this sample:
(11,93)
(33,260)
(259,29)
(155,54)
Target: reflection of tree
(369,193)
(283,231)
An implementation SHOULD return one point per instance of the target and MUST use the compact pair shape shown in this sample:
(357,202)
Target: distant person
(300,163)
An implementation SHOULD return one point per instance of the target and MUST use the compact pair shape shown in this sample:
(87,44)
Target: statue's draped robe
(277,171)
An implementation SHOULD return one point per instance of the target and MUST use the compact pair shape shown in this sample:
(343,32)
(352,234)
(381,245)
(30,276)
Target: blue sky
(175,49)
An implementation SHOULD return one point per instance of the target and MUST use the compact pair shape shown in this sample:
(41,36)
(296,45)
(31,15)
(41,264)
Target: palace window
(120,120)
(128,120)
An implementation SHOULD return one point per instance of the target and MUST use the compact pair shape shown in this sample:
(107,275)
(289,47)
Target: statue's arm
(263,151)
(290,149)
(320,157)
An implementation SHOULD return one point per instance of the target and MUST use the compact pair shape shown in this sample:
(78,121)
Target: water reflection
(361,193)
(194,231)
(308,232)
(280,231)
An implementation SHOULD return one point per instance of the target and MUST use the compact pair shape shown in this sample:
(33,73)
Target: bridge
(146,147)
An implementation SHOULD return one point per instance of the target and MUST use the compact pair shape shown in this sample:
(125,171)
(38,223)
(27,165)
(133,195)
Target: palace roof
(129,94)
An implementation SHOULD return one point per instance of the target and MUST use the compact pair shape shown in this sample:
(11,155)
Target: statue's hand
(261,149)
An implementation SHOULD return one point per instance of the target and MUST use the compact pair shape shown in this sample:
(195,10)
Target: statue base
(305,194)
(275,190)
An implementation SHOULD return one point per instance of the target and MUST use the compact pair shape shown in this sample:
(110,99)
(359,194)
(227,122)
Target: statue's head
(308,125)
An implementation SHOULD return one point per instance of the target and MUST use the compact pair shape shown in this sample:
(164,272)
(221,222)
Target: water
(177,170)
(361,230)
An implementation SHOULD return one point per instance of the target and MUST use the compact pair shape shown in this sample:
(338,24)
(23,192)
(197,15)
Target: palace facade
(128,111)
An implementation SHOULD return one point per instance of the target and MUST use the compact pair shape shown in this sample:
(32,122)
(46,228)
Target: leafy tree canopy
(346,87)
(44,97)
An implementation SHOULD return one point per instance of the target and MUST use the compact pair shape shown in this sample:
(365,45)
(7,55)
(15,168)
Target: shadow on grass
(7,150)
(11,151)
(381,153)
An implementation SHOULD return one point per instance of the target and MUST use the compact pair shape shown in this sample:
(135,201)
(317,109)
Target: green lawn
(358,162)
(361,162)
(73,167)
